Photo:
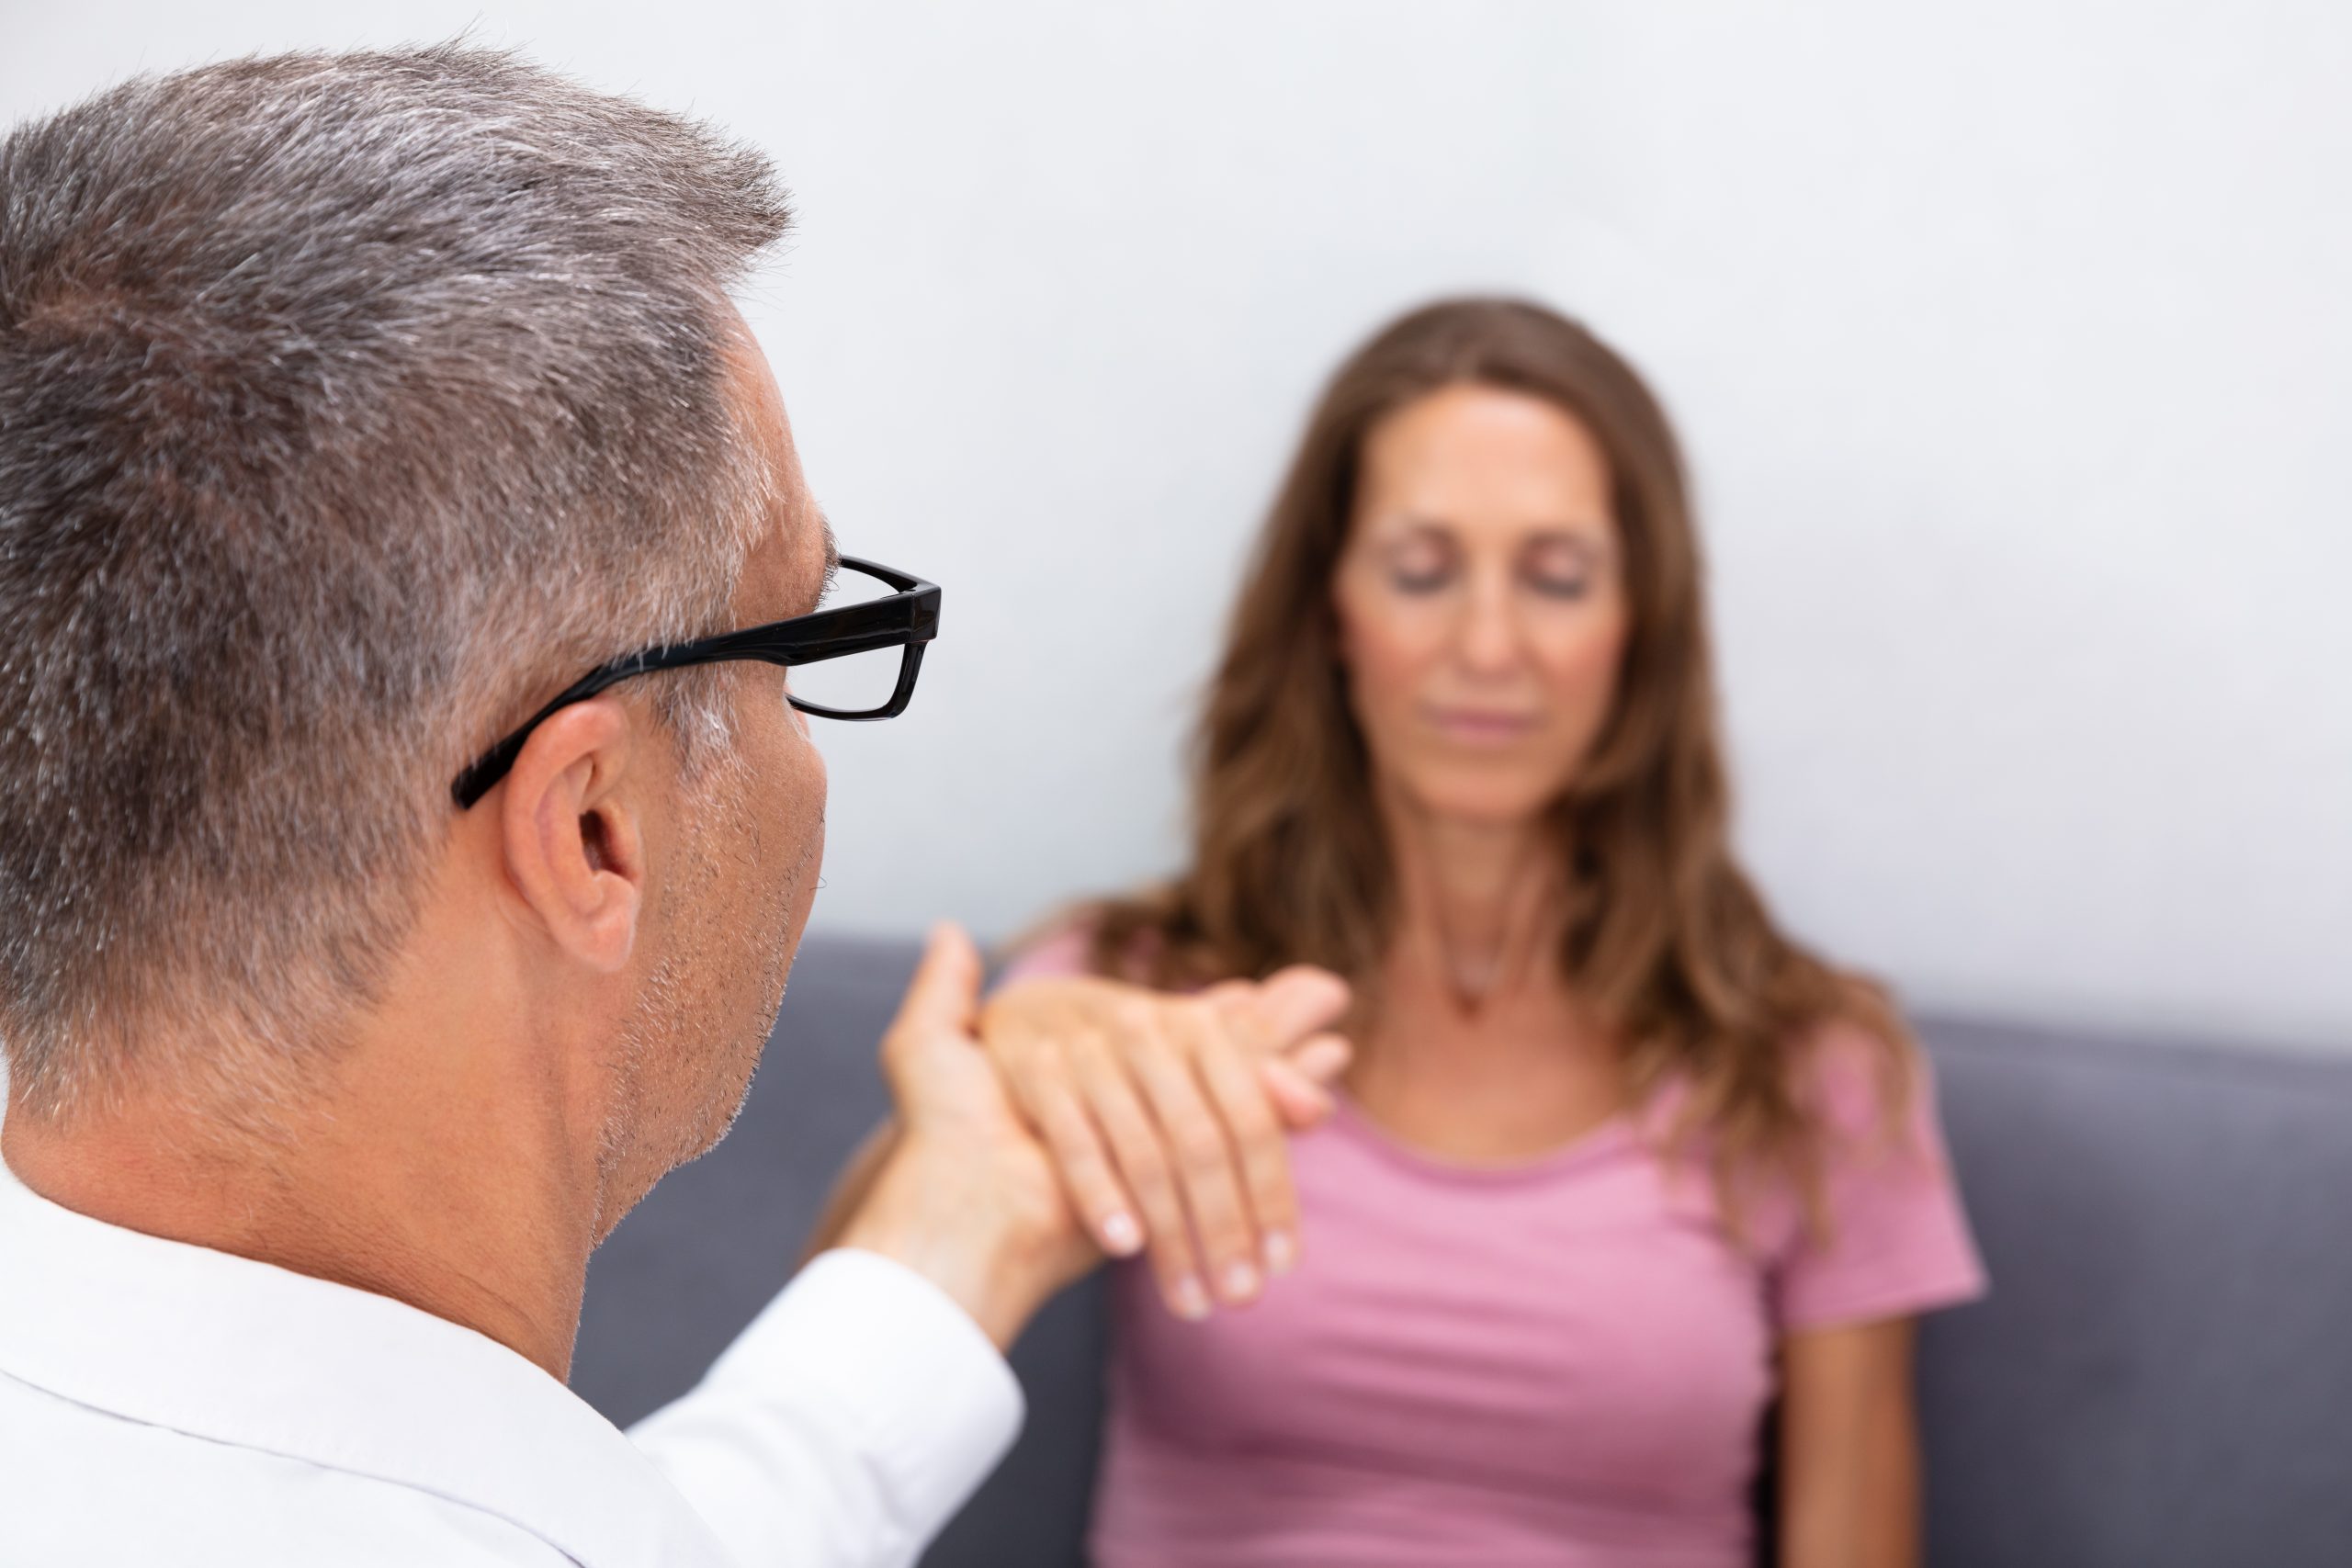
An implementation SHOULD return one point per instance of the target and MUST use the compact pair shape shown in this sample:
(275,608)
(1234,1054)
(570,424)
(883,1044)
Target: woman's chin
(1485,801)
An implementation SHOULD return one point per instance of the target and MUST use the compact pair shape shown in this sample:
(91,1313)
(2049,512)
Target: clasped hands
(1168,1115)
(1067,1118)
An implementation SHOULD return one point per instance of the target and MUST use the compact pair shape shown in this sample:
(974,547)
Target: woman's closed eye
(1559,567)
(1575,585)
(1422,566)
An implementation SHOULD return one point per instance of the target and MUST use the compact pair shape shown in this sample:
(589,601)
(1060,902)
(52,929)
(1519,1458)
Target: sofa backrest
(2161,1376)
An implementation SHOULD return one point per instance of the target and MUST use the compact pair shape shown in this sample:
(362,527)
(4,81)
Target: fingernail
(1322,1060)
(1122,1234)
(1191,1301)
(1282,1253)
(1241,1282)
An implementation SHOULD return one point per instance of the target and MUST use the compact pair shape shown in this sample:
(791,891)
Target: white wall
(2012,343)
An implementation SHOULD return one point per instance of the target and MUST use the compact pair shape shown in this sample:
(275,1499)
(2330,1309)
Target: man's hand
(1168,1115)
(964,1194)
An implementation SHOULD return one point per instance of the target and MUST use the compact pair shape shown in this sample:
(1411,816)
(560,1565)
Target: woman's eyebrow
(1420,523)
(1585,539)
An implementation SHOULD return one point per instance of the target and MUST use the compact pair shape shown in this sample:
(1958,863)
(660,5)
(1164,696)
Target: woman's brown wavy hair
(1669,944)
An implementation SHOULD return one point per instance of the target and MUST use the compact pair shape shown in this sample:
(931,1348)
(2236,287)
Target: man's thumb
(944,998)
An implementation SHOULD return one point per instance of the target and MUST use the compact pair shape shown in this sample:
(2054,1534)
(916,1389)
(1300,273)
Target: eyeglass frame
(907,618)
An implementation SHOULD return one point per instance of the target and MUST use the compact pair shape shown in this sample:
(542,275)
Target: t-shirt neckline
(1603,1137)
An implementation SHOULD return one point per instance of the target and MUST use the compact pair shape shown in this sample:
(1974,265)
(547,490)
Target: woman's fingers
(1205,1162)
(1168,1116)
(1241,1098)
(1134,1139)
(1095,1191)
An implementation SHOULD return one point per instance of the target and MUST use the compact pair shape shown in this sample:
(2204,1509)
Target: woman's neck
(1480,1051)
(1479,902)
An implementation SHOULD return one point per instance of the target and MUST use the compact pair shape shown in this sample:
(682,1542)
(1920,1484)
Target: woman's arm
(1849,1447)
(1230,1071)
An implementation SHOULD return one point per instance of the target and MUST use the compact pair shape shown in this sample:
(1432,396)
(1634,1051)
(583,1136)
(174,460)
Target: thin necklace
(1471,987)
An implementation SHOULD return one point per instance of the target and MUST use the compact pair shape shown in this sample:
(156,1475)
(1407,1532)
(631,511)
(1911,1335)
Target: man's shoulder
(80,1486)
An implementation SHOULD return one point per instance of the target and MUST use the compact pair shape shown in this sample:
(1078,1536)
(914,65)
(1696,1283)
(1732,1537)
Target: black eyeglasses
(899,624)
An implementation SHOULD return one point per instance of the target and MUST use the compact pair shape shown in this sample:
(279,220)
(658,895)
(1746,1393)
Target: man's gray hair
(350,405)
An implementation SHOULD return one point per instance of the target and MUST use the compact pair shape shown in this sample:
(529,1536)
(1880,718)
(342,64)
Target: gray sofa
(2161,1378)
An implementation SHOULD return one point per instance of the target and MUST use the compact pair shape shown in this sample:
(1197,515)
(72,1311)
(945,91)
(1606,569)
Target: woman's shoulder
(1857,1083)
(1055,951)
(1894,1239)
(1074,943)
(1853,1088)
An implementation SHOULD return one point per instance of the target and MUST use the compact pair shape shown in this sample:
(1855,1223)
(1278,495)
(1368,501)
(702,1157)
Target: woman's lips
(1480,727)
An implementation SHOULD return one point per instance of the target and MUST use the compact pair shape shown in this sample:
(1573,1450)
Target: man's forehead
(794,556)
(791,563)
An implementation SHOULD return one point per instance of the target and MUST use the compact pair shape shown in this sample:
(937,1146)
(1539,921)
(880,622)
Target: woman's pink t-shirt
(1563,1362)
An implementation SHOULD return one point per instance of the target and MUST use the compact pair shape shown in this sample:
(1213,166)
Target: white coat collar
(226,1348)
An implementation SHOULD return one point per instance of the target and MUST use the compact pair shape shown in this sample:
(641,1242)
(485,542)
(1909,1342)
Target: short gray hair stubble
(350,404)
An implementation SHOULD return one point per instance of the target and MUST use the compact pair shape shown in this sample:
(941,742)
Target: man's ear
(574,843)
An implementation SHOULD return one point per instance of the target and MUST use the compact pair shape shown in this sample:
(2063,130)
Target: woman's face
(1481,600)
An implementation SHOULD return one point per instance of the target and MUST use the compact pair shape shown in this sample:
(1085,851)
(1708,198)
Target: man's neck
(449,1207)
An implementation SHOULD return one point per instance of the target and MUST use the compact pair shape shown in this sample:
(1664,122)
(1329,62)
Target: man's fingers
(1297,1099)
(1302,1000)
(1280,1012)
(1321,1058)
(945,995)
(1241,1098)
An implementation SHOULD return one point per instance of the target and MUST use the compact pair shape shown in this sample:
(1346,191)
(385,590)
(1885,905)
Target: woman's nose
(1488,640)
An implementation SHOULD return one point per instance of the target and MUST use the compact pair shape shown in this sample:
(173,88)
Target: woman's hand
(955,1185)
(1168,1115)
